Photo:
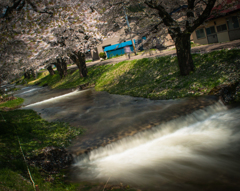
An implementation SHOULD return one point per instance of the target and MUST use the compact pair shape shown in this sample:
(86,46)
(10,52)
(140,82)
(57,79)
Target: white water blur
(28,91)
(196,148)
(56,99)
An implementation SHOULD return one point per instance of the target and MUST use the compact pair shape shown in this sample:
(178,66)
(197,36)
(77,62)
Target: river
(186,144)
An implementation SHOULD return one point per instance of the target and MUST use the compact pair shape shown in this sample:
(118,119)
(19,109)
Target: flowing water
(157,145)
(196,152)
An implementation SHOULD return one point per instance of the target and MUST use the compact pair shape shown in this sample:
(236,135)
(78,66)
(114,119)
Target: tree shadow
(159,78)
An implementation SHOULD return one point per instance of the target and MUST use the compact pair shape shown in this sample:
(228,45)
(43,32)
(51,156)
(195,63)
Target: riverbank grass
(72,80)
(34,134)
(12,103)
(157,78)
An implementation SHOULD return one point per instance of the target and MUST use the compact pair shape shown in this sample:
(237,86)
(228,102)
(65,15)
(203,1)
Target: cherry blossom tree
(156,19)
(50,31)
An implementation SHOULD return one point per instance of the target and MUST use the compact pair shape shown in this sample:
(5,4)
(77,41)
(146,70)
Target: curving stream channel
(187,144)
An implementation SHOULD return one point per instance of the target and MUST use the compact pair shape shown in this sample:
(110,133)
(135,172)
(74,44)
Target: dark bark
(64,67)
(59,69)
(182,39)
(19,5)
(32,72)
(50,70)
(27,74)
(79,59)
(206,13)
(183,46)
(61,66)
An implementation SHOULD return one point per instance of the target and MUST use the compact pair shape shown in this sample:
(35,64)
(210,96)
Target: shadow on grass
(159,78)
(73,78)
(34,134)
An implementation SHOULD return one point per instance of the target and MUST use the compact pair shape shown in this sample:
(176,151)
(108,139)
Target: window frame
(211,27)
(221,28)
(203,33)
(230,19)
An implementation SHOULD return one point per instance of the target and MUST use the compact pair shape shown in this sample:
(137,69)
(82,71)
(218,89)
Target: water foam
(186,149)
(55,99)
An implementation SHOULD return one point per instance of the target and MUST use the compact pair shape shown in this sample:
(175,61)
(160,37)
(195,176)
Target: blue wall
(118,49)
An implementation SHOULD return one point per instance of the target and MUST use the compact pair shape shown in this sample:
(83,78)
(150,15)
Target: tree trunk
(183,46)
(50,70)
(82,65)
(79,59)
(32,72)
(64,67)
(61,67)
(27,74)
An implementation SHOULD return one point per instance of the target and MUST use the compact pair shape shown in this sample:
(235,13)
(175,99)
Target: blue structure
(118,49)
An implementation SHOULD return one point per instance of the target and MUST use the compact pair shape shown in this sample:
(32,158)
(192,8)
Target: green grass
(157,78)
(34,134)
(71,80)
(12,103)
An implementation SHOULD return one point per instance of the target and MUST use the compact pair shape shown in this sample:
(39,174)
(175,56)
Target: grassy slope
(72,80)
(12,103)
(34,134)
(156,78)
(160,78)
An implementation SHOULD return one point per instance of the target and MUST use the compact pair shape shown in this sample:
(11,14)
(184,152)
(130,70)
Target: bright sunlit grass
(157,78)
(12,103)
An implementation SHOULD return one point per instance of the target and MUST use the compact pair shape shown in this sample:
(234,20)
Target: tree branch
(203,16)
(166,17)
(9,10)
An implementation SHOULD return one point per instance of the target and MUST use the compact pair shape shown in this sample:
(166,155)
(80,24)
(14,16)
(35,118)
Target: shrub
(102,55)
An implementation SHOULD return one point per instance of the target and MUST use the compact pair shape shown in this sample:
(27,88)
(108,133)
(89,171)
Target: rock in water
(52,159)
(225,92)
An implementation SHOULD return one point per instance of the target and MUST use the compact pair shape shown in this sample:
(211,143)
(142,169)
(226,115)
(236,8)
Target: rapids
(186,144)
(196,152)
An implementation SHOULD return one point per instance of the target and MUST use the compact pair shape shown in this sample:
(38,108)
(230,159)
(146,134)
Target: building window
(200,33)
(210,30)
(221,28)
(233,23)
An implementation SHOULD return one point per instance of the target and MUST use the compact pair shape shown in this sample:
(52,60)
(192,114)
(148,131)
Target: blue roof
(117,46)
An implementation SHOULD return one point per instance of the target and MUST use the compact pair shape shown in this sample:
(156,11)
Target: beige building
(221,29)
